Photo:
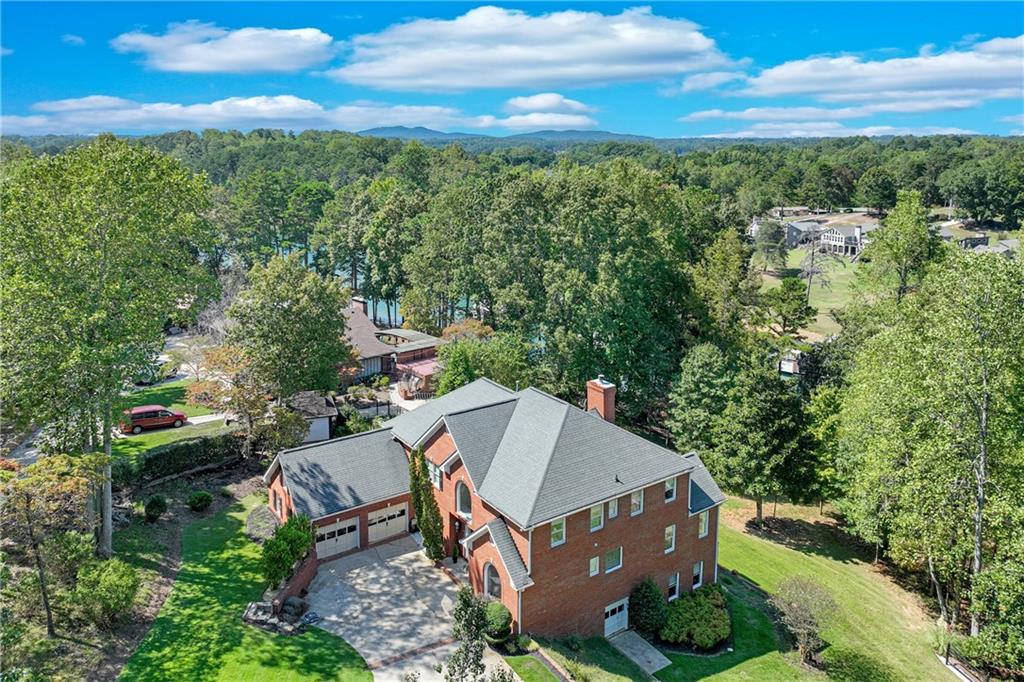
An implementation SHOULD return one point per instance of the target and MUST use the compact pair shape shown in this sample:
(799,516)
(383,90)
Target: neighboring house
(319,411)
(559,512)
(780,212)
(847,240)
(401,352)
(797,232)
(1008,248)
(791,362)
(965,239)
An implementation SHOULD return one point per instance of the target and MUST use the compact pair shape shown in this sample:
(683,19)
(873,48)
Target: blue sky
(729,69)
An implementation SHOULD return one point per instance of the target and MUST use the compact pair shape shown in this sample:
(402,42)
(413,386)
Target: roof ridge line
(547,464)
(509,399)
(321,443)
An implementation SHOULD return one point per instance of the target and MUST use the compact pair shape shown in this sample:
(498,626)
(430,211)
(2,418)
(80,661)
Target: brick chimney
(601,397)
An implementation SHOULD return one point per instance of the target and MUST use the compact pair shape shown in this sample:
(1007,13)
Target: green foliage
(786,306)
(806,608)
(290,326)
(699,619)
(900,251)
(726,286)
(469,626)
(176,458)
(501,357)
(66,552)
(291,542)
(428,514)
(199,500)
(698,397)
(106,590)
(877,188)
(647,607)
(770,245)
(282,429)
(156,506)
(579,671)
(499,621)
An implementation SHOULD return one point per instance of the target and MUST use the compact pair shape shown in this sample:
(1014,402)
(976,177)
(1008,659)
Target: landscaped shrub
(65,553)
(699,619)
(175,458)
(199,500)
(106,590)
(647,607)
(578,671)
(574,642)
(806,607)
(291,542)
(499,622)
(155,507)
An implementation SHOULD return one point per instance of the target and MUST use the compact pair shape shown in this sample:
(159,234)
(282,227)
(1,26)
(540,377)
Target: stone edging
(550,662)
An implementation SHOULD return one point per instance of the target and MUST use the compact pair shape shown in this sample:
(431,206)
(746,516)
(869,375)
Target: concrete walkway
(640,651)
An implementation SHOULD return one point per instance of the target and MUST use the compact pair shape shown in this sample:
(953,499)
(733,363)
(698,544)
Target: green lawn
(170,394)
(755,654)
(836,297)
(199,634)
(605,662)
(880,632)
(530,669)
(135,446)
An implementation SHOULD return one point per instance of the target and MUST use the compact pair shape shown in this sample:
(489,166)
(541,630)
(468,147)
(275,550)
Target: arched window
(492,581)
(463,501)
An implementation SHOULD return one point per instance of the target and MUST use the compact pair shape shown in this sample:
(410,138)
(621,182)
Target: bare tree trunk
(107,530)
(939,595)
(980,479)
(44,590)
(759,506)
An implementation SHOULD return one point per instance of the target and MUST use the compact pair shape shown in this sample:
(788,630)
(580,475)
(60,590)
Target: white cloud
(706,81)
(832,129)
(1019,118)
(196,47)
(992,69)
(5,51)
(97,113)
(826,114)
(493,47)
(72,39)
(545,101)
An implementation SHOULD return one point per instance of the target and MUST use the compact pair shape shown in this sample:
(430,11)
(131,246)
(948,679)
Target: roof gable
(477,433)
(412,426)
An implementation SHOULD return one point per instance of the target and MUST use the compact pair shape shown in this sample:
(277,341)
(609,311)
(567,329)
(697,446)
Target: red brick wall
(565,599)
(362,513)
(277,486)
(299,581)
(484,552)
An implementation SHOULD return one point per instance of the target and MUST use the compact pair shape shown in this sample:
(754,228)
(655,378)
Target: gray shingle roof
(339,474)
(477,432)
(411,426)
(555,459)
(311,405)
(704,492)
(502,539)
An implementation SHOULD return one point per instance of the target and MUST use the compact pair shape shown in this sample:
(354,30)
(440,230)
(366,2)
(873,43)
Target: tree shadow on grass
(848,665)
(812,537)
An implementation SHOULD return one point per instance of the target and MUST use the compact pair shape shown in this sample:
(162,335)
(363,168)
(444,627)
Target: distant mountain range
(421,133)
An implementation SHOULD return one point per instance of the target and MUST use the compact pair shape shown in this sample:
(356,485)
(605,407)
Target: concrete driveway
(388,601)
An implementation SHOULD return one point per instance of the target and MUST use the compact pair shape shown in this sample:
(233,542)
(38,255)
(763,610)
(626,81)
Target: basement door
(388,522)
(337,537)
(616,617)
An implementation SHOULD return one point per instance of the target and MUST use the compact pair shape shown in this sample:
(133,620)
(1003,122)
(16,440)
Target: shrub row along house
(559,512)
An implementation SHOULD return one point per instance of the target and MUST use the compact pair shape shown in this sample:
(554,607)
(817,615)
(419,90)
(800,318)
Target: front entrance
(388,522)
(616,617)
(337,537)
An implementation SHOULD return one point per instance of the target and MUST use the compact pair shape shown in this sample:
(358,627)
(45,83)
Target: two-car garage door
(343,536)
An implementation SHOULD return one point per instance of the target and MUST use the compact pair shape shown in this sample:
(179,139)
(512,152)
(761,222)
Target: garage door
(616,617)
(388,522)
(337,537)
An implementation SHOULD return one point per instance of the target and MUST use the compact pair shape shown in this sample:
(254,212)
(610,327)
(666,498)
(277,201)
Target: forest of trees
(627,260)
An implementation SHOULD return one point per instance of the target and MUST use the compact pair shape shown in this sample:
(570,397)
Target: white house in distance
(847,240)
(319,412)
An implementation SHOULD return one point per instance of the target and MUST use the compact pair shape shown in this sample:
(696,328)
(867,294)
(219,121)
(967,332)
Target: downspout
(718,526)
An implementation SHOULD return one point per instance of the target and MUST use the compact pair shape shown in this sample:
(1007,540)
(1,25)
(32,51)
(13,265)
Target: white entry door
(337,537)
(388,522)
(616,617)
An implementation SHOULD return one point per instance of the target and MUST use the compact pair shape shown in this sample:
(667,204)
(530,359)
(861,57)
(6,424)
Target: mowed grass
(199,634)
(602,661)
(130,447)
(530,669)
(835,297)
(756,653)
(170,394)
(880,632)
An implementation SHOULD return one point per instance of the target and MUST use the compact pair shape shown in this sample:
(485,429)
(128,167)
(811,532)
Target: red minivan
(150,417)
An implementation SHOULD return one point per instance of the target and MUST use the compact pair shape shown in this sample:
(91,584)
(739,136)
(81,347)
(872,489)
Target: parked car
(151,417)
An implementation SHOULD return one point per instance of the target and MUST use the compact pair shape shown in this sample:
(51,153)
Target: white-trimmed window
(558,532)
(596,517)
(613,508)
(704,519)
(698,574)
(492,581)
(670,539)
(277,503)
(613,560)
(636,503)
(595,566)
(434,472)
(673,586)
(463,500)
(670,490)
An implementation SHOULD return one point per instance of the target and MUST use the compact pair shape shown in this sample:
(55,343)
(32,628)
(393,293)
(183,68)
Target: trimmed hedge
(699,619)
(199,500)
(156,507)
(176,458)
(499,622)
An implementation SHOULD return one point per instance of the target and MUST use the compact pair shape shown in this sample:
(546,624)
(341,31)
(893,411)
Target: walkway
(640,651)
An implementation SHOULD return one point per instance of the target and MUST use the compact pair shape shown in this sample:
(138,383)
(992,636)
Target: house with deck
(402,353)
(558,512)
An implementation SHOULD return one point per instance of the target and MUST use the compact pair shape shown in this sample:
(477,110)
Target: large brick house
(559,512)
